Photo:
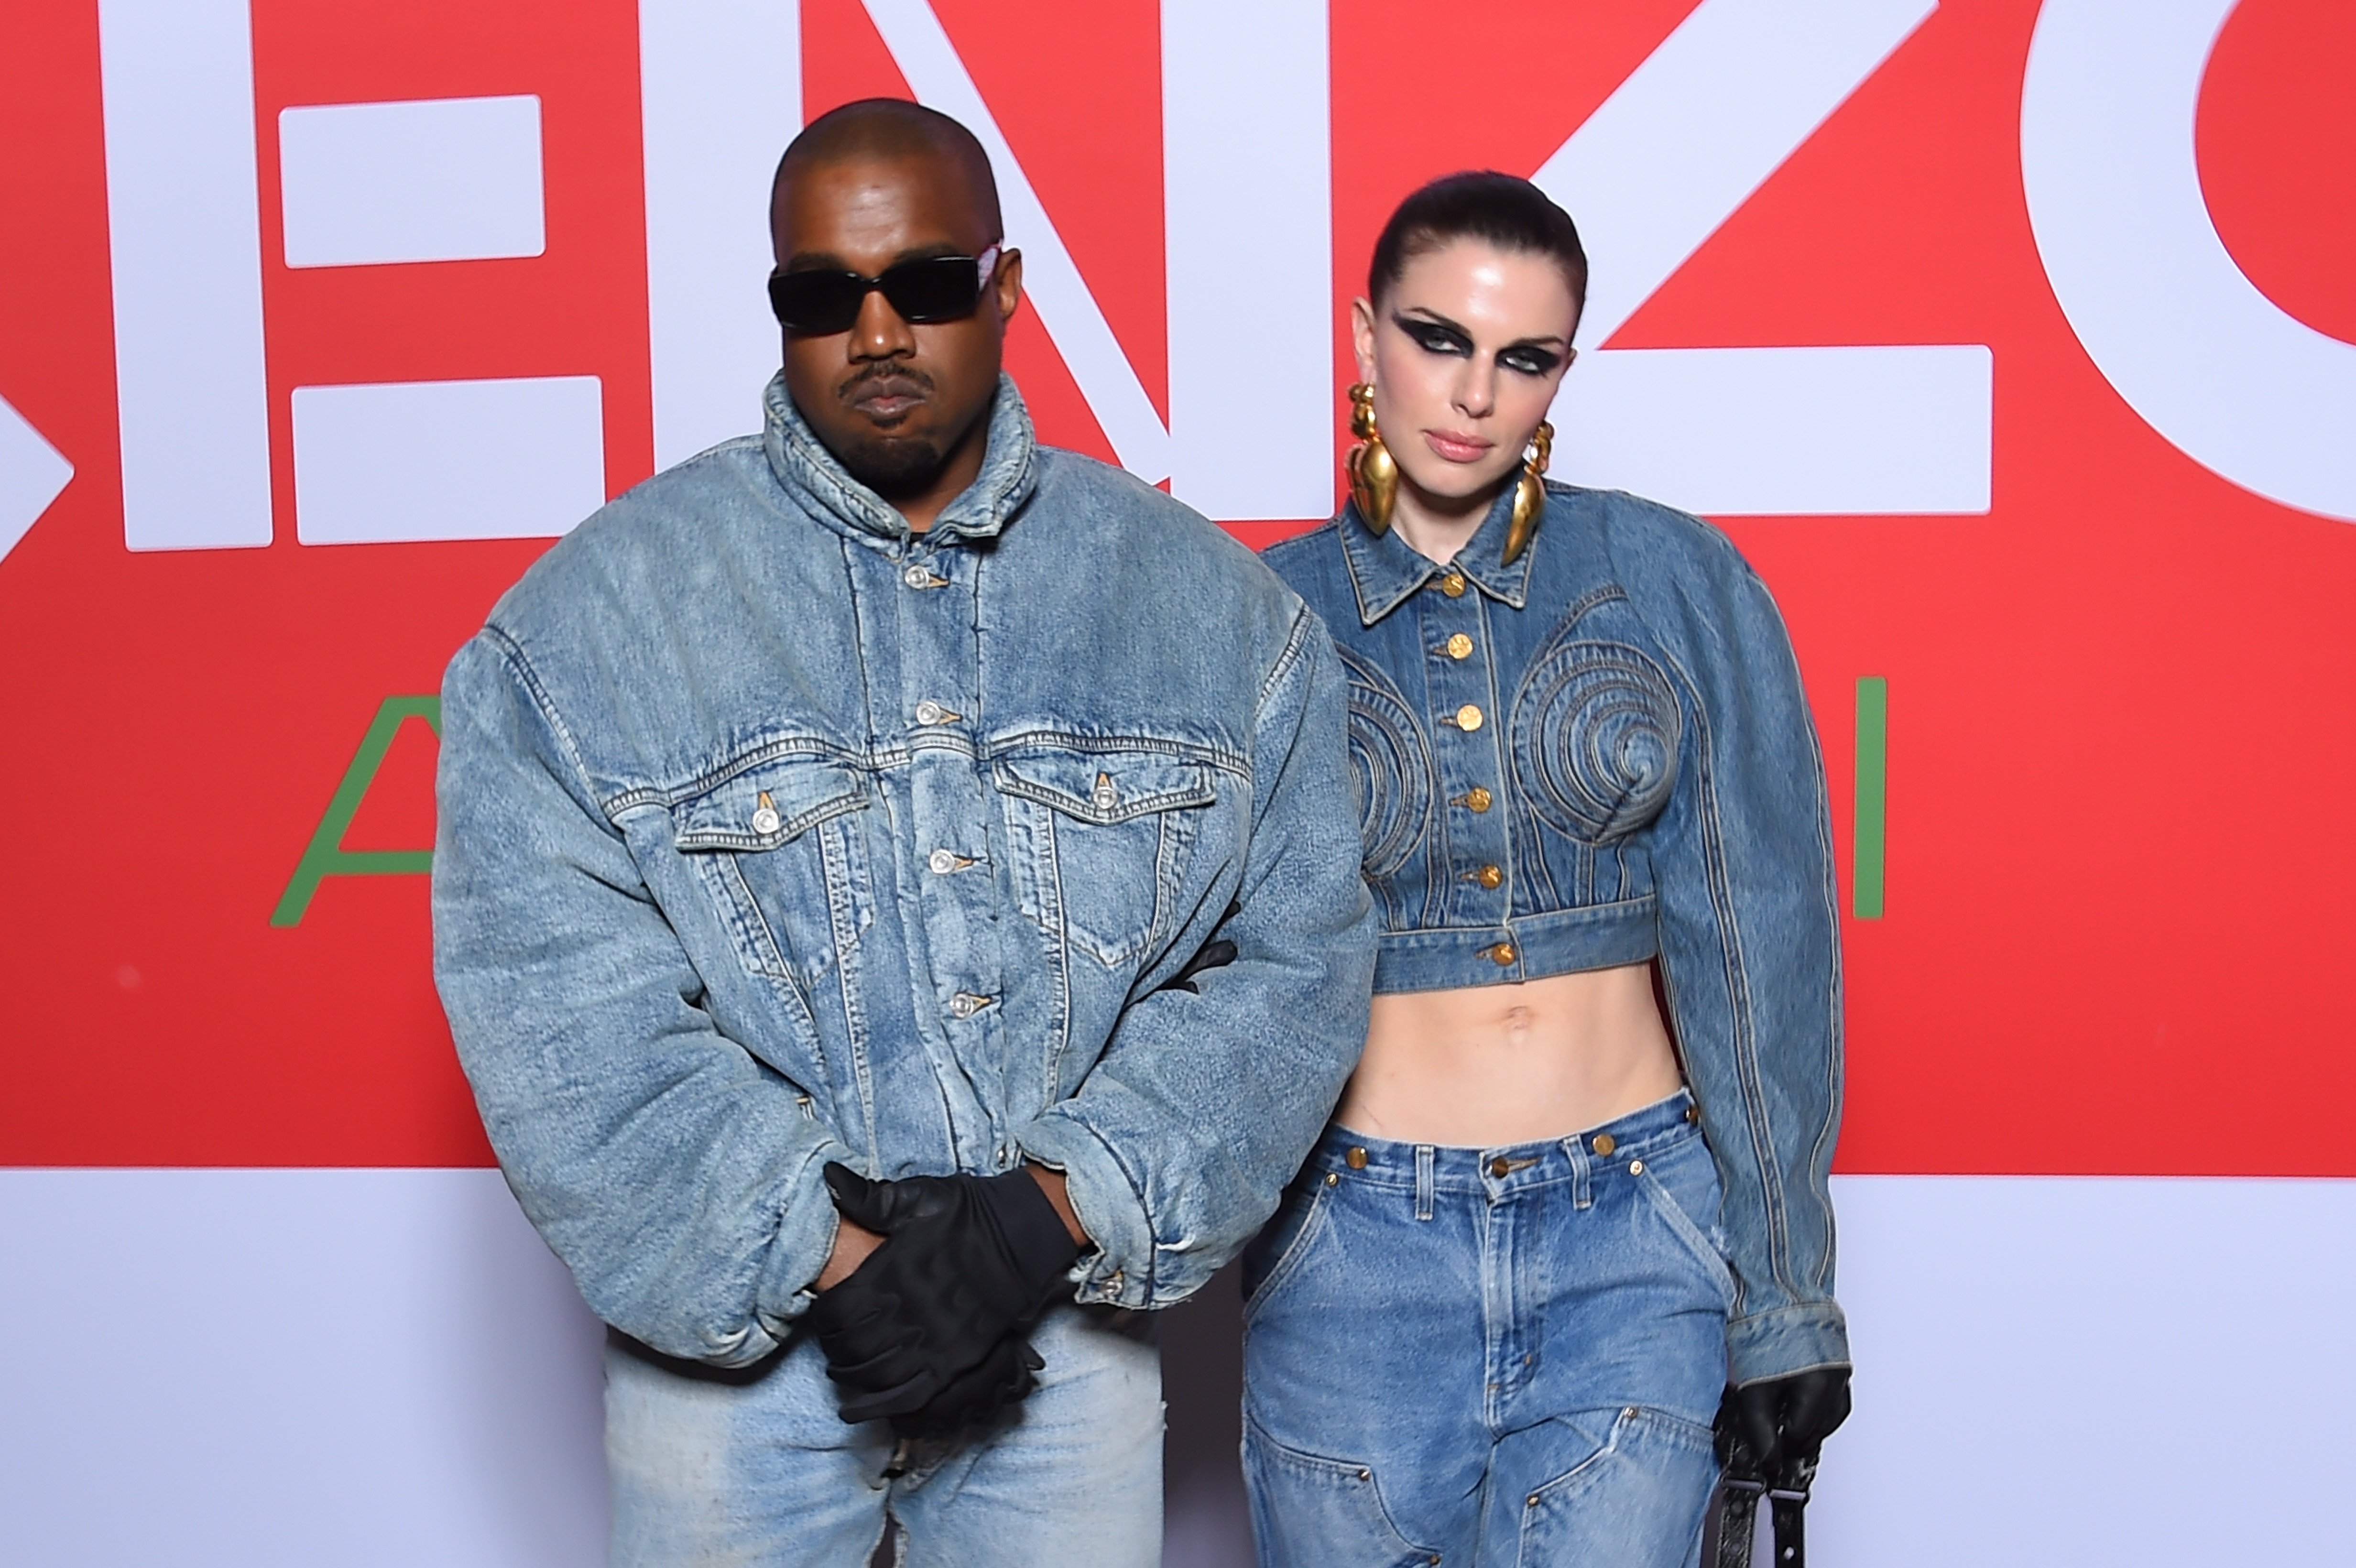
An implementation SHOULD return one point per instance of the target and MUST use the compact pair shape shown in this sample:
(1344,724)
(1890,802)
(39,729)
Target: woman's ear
(1361,336)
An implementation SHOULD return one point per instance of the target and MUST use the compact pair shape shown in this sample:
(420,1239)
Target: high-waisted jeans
(1494,1356)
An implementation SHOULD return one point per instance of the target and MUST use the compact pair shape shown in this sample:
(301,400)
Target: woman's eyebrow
(1426,316)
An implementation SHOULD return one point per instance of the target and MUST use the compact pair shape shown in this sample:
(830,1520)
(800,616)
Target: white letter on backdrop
(185,234)
(1687,140)
(719,85)
(2108,159)
(1249,211)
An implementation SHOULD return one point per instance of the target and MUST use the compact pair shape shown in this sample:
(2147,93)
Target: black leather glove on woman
(928,1331)
(1772,1430)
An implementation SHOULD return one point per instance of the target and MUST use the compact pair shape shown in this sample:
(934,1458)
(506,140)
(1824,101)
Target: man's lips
(1455,447)
(886,399)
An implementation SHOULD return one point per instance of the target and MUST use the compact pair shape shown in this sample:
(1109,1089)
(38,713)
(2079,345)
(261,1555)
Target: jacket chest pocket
(1100,841)
(778,846)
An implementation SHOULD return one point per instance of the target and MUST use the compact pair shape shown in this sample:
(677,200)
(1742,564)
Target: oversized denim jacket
(773,833)
(1596,755)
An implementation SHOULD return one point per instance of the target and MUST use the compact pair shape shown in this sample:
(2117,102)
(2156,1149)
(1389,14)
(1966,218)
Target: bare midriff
(1490,1065)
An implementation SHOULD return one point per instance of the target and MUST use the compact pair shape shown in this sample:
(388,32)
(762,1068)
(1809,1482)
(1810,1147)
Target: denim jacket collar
(1385,569)
(816,478)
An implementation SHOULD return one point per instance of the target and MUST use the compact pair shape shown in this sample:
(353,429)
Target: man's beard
(891,464)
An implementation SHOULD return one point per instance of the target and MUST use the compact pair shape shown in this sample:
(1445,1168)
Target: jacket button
(765,820)
(1452,584)
(919,576)
(1477,798)
(1490,877)
(1468,718)
(1604,1144)
(931,712)
(1356,1158)
(1460,647)
(1500,1166)
(1502,954)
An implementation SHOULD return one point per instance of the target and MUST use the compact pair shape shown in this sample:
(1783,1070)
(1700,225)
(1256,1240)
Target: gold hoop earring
(1374,475)
(1529,494)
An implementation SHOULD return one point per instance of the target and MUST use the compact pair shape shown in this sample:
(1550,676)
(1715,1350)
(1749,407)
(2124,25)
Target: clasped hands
(931,1330)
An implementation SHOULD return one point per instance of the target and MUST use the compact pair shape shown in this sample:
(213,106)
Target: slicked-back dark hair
(1505,210)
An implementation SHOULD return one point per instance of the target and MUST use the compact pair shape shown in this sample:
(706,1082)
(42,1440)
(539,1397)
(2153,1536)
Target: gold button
(1460,647)
(1477,798)
(1453,585)
(1693,1113)
(1333,1179)
(1503,954)
(1357,1158)
(1490,877)
(1499,1165)
(1604,1144)
(1468,718)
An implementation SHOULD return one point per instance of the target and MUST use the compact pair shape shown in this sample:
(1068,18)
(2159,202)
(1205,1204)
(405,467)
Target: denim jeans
(1489,1356)
(757,1466)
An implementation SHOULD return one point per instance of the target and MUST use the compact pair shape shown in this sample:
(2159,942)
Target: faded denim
(772,834)
(755,1466)
(1614,728)
(1488,1357)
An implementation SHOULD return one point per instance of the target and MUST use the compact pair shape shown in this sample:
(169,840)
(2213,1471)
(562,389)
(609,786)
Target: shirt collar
(1385,569)
(818,479)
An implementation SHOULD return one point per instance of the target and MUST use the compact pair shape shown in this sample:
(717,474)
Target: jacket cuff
(1120,1273)
(804,1240)
(1786,1340)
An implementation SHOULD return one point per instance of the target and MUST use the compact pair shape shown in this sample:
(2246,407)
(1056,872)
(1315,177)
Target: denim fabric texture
(1595,756)
(754,1466)
(1488,1357)
(773,833)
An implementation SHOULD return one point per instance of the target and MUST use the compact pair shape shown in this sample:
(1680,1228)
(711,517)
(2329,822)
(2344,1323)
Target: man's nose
(880,333)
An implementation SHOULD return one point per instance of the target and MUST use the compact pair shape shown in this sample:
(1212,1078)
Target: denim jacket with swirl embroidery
(1599,755)
(772,834)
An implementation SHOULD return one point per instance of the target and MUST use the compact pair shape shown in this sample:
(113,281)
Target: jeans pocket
(1637,1502)
(1313,1513)
(1274,1255)
(1680,1185)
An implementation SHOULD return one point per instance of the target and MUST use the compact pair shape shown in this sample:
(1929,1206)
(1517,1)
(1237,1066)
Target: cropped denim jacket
(773,833)
(1599,755)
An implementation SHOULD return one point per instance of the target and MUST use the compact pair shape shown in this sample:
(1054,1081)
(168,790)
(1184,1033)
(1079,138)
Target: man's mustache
(900,379)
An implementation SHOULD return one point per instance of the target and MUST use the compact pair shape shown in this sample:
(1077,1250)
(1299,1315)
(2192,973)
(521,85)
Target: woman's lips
(1455,448)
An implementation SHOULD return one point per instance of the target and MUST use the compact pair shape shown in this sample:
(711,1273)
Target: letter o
(2109,165)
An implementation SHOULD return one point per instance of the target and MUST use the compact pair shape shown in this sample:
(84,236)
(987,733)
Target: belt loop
(1424,1156)
(1581,1195)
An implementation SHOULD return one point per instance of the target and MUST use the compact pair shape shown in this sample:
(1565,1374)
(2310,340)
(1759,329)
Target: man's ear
(1007,280)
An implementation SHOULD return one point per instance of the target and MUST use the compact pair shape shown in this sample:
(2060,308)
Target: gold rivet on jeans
(1357,1158)
(1604,1144)
(1635,1168)
(1500,1166)
(1333,1179)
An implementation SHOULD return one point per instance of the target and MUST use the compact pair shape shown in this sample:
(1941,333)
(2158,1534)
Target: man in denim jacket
(901,879)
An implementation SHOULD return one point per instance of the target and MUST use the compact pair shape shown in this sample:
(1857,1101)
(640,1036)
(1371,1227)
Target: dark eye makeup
(1447,338)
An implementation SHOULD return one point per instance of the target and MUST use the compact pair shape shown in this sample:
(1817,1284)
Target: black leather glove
(1772,1431)
(928,1331)
(1216,953)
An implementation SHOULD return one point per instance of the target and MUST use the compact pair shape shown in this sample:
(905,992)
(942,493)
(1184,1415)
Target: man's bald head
(891,130)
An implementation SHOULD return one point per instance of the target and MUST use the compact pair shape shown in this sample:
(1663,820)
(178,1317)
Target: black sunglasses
(822,302)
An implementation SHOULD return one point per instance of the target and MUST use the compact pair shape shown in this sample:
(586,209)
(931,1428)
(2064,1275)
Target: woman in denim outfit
(1552,1237)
